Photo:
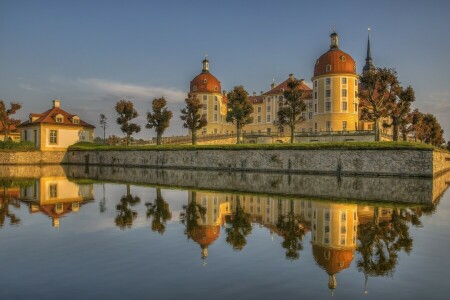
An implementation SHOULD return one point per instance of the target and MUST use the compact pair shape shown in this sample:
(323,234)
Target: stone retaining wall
(32,157)
(409,163)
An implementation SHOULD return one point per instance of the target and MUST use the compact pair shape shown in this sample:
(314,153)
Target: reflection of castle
(56,197)
(333,237)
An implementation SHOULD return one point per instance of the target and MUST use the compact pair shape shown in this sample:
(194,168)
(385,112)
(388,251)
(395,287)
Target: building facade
(55,129)
(332,103)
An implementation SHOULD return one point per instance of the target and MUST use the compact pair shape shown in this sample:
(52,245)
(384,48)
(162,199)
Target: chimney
(261,92)
(254,93)
(272,85)
(55,103)
(291,76)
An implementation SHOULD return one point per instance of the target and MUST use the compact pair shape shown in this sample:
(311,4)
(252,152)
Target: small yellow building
(55,129)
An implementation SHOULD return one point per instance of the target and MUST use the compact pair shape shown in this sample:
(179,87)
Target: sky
(91,54)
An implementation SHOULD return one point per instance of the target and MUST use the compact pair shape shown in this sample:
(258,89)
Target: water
(115,233)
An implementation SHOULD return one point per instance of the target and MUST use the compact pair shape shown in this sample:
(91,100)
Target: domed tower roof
(334,61)
(205,82)
(332,261)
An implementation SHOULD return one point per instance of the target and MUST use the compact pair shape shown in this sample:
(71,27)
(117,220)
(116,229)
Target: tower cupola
(334,39)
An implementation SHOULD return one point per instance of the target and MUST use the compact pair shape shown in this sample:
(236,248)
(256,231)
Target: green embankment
(298,146)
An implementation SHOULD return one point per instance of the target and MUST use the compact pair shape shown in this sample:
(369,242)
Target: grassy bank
(300,146)
(17,146)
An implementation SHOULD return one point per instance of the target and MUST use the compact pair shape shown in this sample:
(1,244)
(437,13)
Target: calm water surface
(128,234)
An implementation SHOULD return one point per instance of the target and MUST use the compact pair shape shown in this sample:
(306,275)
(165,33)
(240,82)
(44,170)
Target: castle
(332,104)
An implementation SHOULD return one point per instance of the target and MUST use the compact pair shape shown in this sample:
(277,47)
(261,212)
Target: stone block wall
(409,162)
(31,157)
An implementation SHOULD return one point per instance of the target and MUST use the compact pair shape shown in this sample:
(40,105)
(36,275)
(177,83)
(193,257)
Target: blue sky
(93,53)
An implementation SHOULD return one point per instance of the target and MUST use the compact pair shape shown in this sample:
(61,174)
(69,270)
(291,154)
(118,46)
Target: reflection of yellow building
(333,237)
(56,197)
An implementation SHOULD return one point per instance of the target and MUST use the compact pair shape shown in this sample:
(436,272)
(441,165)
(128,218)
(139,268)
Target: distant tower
(369,65)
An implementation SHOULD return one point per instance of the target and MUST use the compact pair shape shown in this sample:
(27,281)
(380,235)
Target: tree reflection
(380,242)
(125,215)
(192,214)
(240,227)
(291,228)
(159,212)
(6,201)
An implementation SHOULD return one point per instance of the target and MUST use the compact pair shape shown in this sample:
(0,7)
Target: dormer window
(205,81)
(343,59)
(328,68)
(194,88)
(215,88)
(59,119)
(76,121)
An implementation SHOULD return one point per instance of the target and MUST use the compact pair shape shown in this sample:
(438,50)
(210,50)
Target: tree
(379,88)
(191,116)
(427,129)
(159,118)
(125,215)
(193,213)
(290,112)
(239,109)
(240,227)
(5,117)
(159,211)
(126,113)
(399,109)
(448,145)
(104,125)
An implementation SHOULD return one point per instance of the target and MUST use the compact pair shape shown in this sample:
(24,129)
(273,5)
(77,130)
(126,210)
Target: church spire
(369,65)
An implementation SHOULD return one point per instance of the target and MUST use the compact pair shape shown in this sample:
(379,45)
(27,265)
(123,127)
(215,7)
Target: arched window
(328,68)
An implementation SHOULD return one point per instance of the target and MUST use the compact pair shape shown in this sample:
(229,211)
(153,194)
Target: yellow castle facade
(332,103)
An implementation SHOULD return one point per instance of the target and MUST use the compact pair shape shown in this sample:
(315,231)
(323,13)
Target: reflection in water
(290,226)
(370,235)
(125,215)
(159,212)
(239,226)
(55,196)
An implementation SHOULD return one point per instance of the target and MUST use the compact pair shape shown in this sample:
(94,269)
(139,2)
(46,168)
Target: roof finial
(334,28)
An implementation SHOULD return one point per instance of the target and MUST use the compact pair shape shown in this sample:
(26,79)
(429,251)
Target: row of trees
(383,96)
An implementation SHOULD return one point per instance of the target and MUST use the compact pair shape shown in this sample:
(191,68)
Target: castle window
(327,80)
(344,92)
(328,68)
(269,108)
(356,82)
(215,117)
(259,119)
(327,93)
(344,127)
(315,95)
(356,107)
(268,118)
(25,135)
(344,80)
(328,125)
(344,106)
(310,105)
(315,83)
(59,119)
(53,190)
(310,115)
(315,108)
(259,109)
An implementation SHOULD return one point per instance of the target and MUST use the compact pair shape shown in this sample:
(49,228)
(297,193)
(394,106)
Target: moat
(89,232)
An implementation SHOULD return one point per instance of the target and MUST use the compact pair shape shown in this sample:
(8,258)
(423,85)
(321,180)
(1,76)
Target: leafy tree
(159,211)
(292,231)
(159,118)
(239,109)
(399,109)
(448,145)
(290,112)
(126,112)
(240,227)
(5,202)
(379,88)
(427,129)
(104,125)
(5,117)
(125,215)
(191,116)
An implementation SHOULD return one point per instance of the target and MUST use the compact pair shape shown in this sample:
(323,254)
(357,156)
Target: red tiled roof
(49,117)
(339,61)
(205,82)
(279,89)
(256,99)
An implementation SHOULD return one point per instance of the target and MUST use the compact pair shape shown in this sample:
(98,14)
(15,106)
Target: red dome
(205,235)
(338,61)
(205,82)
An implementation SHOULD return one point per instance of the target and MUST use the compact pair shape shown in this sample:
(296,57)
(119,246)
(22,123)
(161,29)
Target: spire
(205,62)
(334,39)
(369,65)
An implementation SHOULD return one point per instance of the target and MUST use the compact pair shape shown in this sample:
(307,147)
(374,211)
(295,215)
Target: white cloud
(106,89)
